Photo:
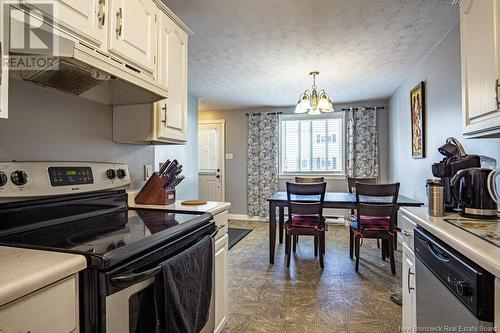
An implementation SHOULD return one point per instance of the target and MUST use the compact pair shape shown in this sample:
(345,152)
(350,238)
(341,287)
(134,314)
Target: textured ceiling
(251,53)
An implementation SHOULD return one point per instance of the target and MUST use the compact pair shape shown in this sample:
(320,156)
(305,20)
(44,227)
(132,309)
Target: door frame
(223,148)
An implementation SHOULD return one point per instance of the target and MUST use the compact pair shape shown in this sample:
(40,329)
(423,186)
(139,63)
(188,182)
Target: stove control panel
(63,176)
(45,179)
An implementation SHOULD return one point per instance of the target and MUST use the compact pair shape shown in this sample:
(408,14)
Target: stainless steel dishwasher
(453,293)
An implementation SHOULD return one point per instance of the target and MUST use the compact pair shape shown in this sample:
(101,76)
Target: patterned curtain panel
(262,162)
(362,145)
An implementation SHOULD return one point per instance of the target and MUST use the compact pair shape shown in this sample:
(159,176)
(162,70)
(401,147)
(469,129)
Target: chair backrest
(351,182)
(305,199)
(377,200)
(309,180)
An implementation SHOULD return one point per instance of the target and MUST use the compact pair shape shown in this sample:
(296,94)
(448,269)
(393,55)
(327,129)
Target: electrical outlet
(148,171)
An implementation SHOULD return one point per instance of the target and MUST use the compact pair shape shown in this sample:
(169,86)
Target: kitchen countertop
(213,207)
(476,249)
(23,271)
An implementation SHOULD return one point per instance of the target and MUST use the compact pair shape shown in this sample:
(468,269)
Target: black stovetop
(106,236)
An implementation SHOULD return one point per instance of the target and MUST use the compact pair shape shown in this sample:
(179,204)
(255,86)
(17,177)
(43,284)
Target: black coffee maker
(455,160)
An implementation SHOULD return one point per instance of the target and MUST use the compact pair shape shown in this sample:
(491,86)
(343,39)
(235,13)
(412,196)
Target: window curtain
(262,162)
(362,145)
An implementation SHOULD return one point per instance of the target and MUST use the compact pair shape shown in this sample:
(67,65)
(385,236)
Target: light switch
(148,171)
(229,156)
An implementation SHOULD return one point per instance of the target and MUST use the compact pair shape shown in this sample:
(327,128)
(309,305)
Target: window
(207,150)
(312,145)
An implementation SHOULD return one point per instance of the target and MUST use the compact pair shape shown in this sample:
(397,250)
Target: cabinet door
(132,32)
(408,290)
(221,285)
(479,25)
(4,70)
(173,76)
(85,18)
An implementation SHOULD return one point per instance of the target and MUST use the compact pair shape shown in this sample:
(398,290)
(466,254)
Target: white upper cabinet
(172,74)
(87,19)
(133,31)
(4,71)
(480,50)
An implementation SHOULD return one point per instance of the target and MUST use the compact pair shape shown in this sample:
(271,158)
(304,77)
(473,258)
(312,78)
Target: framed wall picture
(417,97)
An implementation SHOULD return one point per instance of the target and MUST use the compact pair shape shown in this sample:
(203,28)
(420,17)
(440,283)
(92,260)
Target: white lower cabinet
(51,309)
(221,279)
(409,292)
(221,283)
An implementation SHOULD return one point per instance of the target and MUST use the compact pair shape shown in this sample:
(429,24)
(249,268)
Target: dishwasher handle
(439,254)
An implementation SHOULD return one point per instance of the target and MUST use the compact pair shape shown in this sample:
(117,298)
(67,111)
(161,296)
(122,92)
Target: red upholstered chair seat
(307,221)
(371,223)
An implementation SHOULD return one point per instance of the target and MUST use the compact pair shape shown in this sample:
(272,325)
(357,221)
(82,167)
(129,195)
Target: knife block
(153,193)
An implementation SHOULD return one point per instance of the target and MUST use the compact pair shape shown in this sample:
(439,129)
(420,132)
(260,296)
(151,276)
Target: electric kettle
(492,185)
(470,188)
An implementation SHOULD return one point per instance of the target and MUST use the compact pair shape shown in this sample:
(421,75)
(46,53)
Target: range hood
(79,69)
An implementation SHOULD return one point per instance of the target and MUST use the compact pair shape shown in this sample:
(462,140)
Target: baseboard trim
(244,217)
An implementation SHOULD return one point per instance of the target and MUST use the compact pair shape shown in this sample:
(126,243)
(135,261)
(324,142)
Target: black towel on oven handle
(184,289)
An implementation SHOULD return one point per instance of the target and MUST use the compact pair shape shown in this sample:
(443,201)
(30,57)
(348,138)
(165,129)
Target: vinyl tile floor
(304,298)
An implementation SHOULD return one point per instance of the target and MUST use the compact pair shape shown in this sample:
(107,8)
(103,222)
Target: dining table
(340,200)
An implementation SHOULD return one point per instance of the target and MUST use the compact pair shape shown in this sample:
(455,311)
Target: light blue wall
(47,125)
(441,73)
(52,126)
(187,154)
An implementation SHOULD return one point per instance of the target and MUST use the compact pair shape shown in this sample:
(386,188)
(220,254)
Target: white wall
(187,155)
(48,125)
(441,73)
(237,144)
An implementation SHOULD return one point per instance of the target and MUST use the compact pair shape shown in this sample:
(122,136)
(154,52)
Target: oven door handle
(216,231)
(127,279)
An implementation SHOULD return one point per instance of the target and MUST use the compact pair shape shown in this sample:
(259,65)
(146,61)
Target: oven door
(132,308)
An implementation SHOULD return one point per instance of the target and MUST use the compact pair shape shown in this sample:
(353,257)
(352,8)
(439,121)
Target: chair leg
(281,230)
(378,243)
(281,220)
(315,246)
(323,236)
(384,249)
(321,251)
(395,241)
(391,255)
(351,243)
(294,243)
(357,241)
(288,240)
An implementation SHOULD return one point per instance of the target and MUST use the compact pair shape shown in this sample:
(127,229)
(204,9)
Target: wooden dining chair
(374,220)
(305,180)
(351,187)
(305,217)
(309,180)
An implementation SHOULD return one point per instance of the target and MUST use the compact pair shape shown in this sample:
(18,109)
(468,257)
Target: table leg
(281,222)
(272,231)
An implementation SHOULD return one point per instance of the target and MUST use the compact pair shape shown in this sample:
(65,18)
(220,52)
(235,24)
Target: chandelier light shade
(314,102)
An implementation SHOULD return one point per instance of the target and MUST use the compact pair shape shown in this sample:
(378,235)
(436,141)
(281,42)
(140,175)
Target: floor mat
(236,234)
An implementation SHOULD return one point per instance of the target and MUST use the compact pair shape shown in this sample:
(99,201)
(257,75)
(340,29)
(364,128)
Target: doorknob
(218,176)
(218,170)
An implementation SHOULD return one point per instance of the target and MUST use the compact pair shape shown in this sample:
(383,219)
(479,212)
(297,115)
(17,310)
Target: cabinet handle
(408,279)
(119,21)
(101,15)
(497,94)
(164,109)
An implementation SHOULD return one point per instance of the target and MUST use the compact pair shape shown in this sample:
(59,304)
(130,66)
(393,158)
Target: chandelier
(314,102)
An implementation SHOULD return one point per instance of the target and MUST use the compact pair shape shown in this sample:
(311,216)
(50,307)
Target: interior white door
(211,160)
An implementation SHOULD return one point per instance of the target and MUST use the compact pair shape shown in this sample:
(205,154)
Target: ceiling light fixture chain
(312,102)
